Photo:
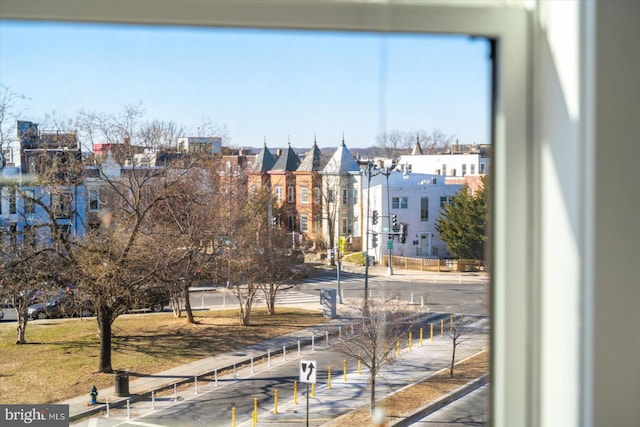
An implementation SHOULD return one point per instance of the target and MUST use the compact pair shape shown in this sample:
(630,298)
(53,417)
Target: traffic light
(374,240)
(374,217)
(403,233)
(394,222)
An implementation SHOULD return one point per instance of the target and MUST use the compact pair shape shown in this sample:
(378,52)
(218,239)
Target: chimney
(278,153)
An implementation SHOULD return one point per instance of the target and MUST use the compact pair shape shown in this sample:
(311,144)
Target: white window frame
(291,194)
(516,311)
(304,223)
(277,192)
(304,195)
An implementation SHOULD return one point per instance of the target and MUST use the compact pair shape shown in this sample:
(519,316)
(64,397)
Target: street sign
(390,244)
(308,371)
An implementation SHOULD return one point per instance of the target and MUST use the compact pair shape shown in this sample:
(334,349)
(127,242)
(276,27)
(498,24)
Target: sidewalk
(141,387)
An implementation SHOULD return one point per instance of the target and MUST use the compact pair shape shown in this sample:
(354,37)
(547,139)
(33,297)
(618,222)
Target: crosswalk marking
(288,296)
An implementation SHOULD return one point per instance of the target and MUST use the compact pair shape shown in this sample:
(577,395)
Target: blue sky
(278,85)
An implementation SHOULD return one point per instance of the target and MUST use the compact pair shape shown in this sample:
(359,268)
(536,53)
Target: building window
(399,203)
(62,205)
(445,200)
(316,195)
(355,196)
(473,169)
(316,223)
(464,170)
(94,200)
(304,195)
(345,227)
(304,223)
(290,194)
(278,193)
(291,222)
(12,201)
(29,201)
(482,168)
(424,209)
(444,169)
(331,196)
(345,196)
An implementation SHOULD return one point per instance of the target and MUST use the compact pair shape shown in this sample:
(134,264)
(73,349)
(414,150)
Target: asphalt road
(439,296)
(470,297)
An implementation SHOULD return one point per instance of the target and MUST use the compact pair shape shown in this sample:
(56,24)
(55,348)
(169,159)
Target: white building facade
(447,164)
(415,200)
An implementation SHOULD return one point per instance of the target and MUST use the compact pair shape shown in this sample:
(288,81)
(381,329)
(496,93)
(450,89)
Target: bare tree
(184,231)
(458,327)
(115,262)
(28,273)
(248,226)
(395,142)
(391,142)
(276,260)
(10,110)
(381,325)
(209,128)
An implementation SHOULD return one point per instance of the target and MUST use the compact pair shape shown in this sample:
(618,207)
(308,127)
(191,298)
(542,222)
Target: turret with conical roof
(287,162)
(312,162)
(264,160)
(342,162)
(417,149)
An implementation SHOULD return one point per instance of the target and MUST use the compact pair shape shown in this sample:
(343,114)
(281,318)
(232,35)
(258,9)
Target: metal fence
(433,264)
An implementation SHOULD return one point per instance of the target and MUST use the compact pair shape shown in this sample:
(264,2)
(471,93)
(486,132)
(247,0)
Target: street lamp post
(369,171)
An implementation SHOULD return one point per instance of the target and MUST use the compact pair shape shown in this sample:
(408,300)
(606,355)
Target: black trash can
(122,383)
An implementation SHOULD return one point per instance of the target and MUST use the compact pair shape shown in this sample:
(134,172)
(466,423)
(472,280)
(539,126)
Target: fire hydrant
(94,395)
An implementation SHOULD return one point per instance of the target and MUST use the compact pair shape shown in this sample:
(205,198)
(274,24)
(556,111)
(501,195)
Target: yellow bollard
(410,341)
(275,402)
(431,331)
(441,327)
(313,389)
(254,419)
(255,409)
(398,348)
(344,369)
(329,378)
(233,417)
(359,363)
(295,392)
(451,324)
(420,337)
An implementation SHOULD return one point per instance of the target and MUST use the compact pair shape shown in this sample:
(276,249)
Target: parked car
(153,298)
(64,305)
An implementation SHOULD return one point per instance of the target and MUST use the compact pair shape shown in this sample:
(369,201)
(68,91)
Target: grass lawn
(61,359)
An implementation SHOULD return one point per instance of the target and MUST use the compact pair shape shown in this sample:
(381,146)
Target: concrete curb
(442,402)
